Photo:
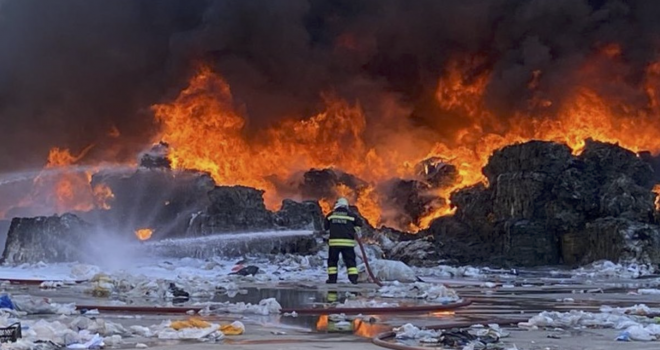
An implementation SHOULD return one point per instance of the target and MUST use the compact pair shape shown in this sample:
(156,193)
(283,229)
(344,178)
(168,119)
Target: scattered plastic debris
(608,269)
(635,327)
(265,307)
(475,337)
(419,290)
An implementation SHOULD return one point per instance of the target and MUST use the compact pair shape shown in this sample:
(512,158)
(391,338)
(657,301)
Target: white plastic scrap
(607,269)
(649,291)
(51,284)
(639,309)
(419,290)
(265,307)
(449,271)
(581,319)
(389,270)
(94,343)
(409,331)
(32,306)
(209,333)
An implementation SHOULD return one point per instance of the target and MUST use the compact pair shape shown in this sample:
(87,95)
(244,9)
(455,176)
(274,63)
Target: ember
(144,233)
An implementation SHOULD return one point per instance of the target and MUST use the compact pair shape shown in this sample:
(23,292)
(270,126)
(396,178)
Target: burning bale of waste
(158,198)
(545,206)
(48,239)
(171,204)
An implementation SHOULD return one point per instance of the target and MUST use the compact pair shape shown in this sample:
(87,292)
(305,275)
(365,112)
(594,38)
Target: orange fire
(206,132)
(360,328)
(103,196)
(322,323)
(62,186)
(72,191)
(144,234)
(656,190)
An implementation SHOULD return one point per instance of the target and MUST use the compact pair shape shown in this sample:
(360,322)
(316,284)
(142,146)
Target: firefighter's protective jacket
(342,225)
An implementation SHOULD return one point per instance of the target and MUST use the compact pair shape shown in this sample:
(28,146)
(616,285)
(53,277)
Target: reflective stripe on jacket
(342,224)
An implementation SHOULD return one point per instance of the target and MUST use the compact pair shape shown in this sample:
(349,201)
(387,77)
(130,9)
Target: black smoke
(72,70)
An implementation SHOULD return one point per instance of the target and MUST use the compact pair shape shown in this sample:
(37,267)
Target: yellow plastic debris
(235,328)
(193,322)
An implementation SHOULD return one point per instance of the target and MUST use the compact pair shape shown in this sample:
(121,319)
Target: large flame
(207,133)
(62,186)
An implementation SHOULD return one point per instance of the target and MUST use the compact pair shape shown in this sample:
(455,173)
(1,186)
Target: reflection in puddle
(358,327)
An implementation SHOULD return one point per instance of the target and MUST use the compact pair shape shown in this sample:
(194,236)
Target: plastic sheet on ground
(33,305)
(210,333)
(95,342)
(391,270)
(419,290)
(265,307)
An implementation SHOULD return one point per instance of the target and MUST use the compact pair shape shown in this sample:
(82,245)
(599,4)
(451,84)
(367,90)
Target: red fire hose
(366,263)
(140,309)
(379,310)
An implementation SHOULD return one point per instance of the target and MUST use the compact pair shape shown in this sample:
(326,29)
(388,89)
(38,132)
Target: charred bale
(547,158)
(296,215)
(233,209)
(322,183)
(437,173)
(521,195)
(574,199)
(48,239)
(623,197)
(160,199)
(4,230)
(607,161)
(418,252)
(620,239)
(411,200)
(653,162)
(474,207)
(529,243)
(545,206)
(460,244)
(156,157)
(473,202)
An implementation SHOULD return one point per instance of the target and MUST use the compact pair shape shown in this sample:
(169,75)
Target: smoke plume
(80,72)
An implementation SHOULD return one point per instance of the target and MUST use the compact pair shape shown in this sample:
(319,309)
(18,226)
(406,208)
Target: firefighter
(343,226)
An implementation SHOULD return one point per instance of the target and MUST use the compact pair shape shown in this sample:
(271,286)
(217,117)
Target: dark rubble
(545,206)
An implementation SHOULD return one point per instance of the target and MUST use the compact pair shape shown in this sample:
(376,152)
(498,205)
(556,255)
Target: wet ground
(512,297)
